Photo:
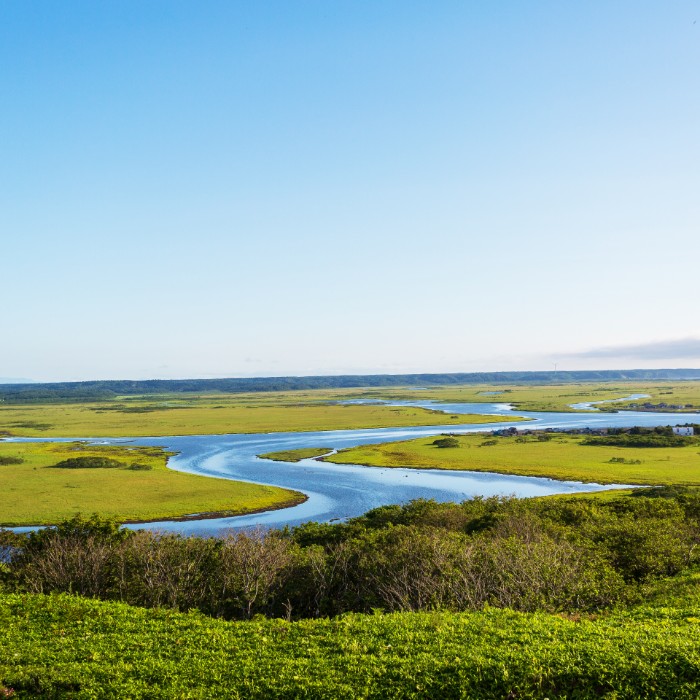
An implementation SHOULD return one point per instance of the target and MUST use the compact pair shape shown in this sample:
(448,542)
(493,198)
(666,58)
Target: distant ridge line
(100,390)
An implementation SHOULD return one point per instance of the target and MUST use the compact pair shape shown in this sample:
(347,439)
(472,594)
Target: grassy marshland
(551,397)
(213,415)
(490,598)
(309,410)
(562,456)
(140,486)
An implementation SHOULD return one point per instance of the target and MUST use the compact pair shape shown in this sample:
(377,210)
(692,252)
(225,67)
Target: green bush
(62,646)
(446,442)
(88,463)
(559,555)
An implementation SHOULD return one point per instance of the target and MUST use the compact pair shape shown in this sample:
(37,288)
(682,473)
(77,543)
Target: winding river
(336,492)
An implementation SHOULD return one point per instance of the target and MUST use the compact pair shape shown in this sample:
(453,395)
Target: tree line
(110,389)
(555,555)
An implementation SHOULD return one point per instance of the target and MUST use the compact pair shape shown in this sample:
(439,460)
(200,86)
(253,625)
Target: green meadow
(140,488)
(561,457)
(213,415)
(311,410)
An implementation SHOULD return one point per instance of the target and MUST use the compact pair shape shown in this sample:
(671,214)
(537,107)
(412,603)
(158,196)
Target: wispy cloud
(685,348)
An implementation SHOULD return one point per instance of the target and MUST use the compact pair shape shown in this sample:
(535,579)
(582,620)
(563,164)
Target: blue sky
(233,189)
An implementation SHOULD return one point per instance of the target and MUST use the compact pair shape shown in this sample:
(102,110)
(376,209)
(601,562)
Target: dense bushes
(68,647)
(661,436)
(89,463)
(446,442)
(567,554)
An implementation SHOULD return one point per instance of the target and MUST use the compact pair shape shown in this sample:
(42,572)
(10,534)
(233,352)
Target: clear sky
(202,189)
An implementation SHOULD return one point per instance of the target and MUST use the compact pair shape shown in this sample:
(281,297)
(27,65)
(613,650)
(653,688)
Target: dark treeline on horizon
(108,389)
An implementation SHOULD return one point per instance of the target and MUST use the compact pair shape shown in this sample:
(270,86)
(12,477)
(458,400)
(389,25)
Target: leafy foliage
(446,442)
(62,646)
(89,463)
(9,459)
(641,437)
(420,564)
(556,555)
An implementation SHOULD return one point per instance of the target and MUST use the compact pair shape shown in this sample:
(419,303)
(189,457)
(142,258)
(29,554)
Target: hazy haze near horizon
(239,189)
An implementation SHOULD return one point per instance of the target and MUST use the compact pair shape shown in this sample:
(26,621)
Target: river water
(337,492)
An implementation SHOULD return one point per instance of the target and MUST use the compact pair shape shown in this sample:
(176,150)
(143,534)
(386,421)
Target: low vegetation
(189,413)
(665,396)
(214,415)
(45,482)
(90,463)
(556,555)
(662,436)
(491,598)
(64,646)
(649,457)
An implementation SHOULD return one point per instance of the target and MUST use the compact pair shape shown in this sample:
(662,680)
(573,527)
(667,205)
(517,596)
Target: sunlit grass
(562,457)
(36,493)
(213,415)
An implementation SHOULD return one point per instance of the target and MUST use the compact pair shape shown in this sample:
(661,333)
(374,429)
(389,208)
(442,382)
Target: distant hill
(108,389)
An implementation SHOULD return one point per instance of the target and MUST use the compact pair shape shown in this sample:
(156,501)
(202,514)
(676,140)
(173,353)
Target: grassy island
(296,455)
(555,455)
(46,482)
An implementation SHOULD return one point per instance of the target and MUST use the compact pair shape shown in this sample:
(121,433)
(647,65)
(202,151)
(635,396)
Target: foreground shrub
(556,555)
(88,463)
(60,646)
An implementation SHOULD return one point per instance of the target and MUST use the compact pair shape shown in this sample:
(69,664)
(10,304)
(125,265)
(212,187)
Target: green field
(61,646)
(36,493)
(214,415)
(309,410)
(562,457)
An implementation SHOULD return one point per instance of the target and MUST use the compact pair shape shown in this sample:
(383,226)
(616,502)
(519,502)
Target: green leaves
(61,646)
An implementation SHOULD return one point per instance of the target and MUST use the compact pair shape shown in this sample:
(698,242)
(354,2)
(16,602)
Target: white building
(683,431)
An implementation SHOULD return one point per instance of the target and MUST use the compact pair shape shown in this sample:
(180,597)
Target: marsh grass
(138,486)
(562,457)
(215,415)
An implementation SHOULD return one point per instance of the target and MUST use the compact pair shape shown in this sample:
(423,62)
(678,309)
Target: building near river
(683,430)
